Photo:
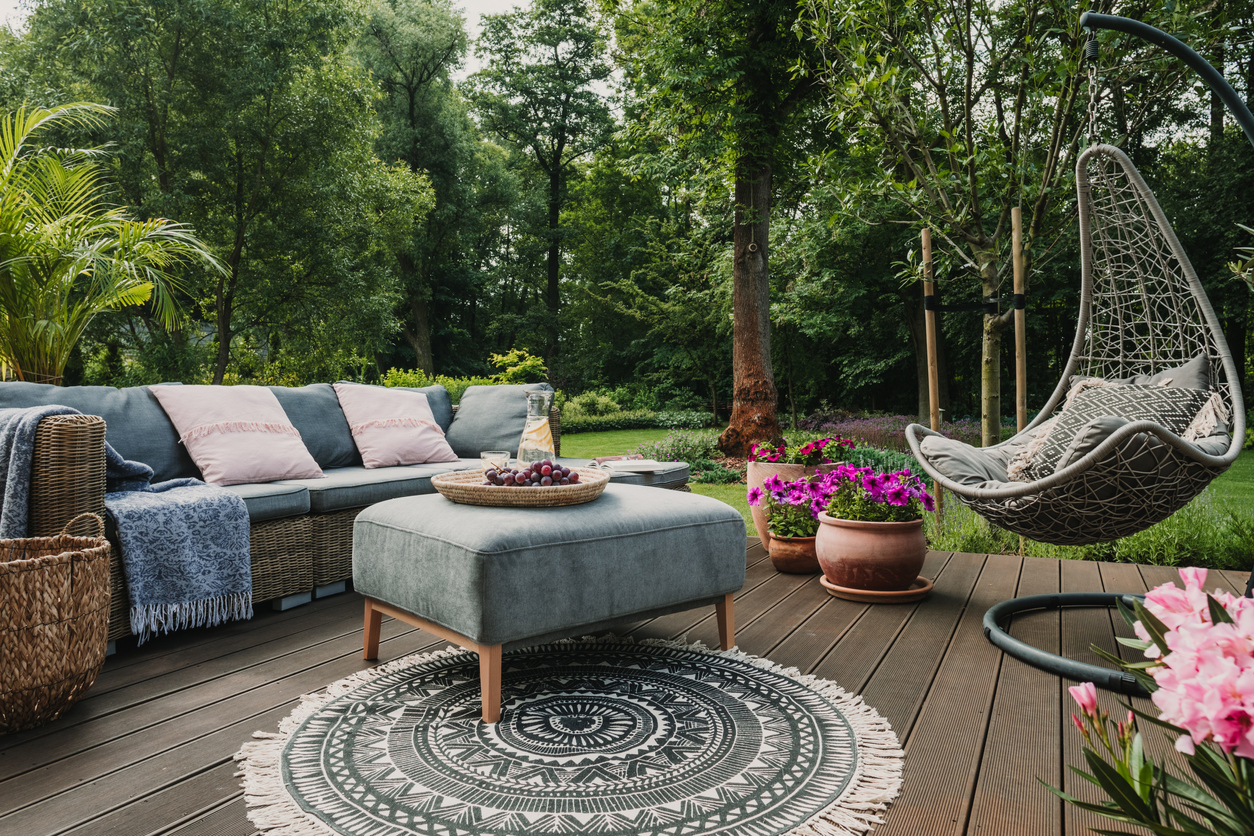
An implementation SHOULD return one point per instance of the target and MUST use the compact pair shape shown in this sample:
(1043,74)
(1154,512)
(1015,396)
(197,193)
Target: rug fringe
(875,784)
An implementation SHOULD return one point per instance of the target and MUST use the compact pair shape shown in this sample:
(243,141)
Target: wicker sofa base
(282,565)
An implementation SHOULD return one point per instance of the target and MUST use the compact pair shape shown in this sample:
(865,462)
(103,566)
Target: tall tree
(968,109)
(719,85)
(247,120)
(410,47)
(543,91)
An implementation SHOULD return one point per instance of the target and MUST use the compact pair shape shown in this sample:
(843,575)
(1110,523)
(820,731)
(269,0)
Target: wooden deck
(149,749)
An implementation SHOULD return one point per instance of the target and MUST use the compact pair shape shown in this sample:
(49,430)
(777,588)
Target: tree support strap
(988,306)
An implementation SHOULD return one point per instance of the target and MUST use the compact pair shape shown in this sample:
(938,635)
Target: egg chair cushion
(1185,412)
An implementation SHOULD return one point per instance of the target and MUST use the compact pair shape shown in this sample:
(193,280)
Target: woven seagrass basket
(466,488)
(54,618)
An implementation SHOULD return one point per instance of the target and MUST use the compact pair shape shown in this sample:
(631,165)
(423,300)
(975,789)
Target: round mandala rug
(603,737)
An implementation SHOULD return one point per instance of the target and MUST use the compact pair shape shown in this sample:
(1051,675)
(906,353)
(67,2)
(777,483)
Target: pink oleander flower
(1205,678)
(1085,695)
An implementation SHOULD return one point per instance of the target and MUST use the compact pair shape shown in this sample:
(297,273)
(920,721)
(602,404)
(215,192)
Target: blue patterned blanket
(185,546)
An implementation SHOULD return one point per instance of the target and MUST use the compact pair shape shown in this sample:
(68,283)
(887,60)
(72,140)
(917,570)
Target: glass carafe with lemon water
(536,443)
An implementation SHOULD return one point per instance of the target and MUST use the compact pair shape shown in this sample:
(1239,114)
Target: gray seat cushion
(315,412)
(356,487)
(516,575)
(272,500)
(491,418)
(135,424)
(670,475)
(963,463)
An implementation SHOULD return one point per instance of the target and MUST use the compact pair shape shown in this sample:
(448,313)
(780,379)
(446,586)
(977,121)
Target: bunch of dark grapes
(535,475)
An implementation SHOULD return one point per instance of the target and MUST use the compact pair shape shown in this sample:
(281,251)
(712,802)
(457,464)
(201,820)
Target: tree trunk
(419,336)
(553,299)
(753,416)
(223,321)
(990,356)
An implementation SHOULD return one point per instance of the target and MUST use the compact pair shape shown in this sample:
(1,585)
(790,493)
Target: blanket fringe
(358,429)
(238,427)
(875,784)
(151,620)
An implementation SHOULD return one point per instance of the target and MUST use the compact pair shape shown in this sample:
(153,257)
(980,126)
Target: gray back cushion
(136,425)
(491,418)
(315,412)
(440,402)
(1194,374)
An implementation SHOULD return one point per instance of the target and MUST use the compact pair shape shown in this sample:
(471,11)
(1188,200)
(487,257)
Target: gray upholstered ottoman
(496,578)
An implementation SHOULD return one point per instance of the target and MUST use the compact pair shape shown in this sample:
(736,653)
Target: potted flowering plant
(790,463)
(792,516)
(1200,674)
(871,532)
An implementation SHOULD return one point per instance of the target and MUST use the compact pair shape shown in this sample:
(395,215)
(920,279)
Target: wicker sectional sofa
(300,530)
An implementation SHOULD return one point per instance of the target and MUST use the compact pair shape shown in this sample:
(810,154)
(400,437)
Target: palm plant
(66,254)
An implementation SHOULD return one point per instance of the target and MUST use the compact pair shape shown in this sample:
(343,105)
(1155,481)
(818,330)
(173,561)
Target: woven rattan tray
(466,487)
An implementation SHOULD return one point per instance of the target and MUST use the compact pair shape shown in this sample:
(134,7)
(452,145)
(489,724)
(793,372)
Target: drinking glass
(494,459)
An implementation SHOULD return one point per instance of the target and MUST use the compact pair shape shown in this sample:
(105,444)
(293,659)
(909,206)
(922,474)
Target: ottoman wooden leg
(726,612)
(489,654)
(490,681)
(370,641)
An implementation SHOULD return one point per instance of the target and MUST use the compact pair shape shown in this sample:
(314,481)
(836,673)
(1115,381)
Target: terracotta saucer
(917,592)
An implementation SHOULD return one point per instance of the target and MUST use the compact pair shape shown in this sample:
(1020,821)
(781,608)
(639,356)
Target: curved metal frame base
(1111,680)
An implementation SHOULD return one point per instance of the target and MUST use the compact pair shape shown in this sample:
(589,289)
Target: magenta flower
(755,496)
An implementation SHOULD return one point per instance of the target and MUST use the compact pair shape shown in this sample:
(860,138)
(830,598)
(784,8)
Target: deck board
(1023,739)
(149,750)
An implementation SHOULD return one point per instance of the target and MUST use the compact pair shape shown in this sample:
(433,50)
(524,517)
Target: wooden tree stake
(933,372)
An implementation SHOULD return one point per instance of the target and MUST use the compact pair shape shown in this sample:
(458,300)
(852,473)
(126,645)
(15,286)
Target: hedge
(636,420)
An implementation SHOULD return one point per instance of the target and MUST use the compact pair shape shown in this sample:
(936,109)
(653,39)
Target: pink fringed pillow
(392,426)
(236,435)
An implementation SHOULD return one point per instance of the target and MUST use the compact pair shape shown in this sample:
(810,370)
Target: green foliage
(517,366)
(540,92)
(685,419)
(883,461)
(577,421)
(682,446)
(590,404)
(709,472)
(1204,533)
(259,133)
(66,255)
(638,420)
(455,385)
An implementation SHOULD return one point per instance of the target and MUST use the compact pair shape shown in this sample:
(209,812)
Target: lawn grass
(1237,485)
(733,495)
(1233,489)
(611,443)
(618,442)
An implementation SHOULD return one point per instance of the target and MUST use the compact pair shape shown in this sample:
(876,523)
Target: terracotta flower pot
(870,555)
(794,555)
(758,472)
